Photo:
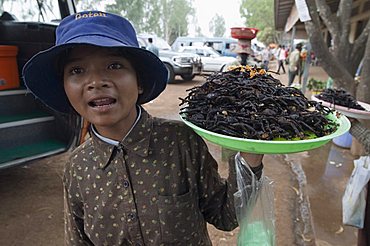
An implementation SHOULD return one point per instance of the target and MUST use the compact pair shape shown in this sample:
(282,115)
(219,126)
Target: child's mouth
(102,102)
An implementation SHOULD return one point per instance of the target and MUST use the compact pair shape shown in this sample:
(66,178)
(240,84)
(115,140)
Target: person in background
(294,65)
(138,179)
(243,57)
(304,59)
(362,134)
(287,54)
(266,56)
(151,47)
(281,56)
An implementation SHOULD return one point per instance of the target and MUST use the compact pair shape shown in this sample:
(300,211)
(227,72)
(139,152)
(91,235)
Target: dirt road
(31,205)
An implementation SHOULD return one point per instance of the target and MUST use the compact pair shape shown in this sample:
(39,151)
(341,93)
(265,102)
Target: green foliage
(267,36)
(217,26)
(316,85)
(260,14)
(165,18)
(150,24)
(87,4)
(27,10)
(198,32)
(130,9)
(177,22)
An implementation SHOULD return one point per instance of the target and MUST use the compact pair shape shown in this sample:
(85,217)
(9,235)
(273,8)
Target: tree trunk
(333,66)
(363,88)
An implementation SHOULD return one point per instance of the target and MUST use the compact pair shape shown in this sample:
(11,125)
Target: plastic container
(244,32)
(271,146)
(344,141)
(9,76)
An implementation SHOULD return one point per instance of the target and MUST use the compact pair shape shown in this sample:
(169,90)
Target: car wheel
(187,77)
(171,74)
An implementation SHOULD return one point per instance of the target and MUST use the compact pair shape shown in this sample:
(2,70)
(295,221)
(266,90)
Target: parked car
(185,65)
(211,59)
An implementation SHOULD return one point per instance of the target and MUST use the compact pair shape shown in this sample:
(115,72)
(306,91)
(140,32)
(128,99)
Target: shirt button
(131,216)
(126,183)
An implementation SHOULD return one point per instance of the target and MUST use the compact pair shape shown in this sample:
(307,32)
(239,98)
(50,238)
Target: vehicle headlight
(182,60)
(196,59)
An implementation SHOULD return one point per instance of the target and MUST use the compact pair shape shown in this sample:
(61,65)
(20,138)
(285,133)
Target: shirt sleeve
(216,193)
(361,134)
(73,211)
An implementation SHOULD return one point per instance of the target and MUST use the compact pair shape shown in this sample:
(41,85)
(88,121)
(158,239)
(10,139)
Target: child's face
(102,87)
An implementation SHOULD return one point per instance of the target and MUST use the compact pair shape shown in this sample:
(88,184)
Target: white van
(225,46)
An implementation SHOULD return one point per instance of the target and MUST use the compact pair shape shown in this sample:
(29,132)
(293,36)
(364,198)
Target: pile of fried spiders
(247,102)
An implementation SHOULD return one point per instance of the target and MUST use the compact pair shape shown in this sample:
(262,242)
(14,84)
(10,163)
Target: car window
(198,43)
(218,45)
(30,10)
(162,44)
(212,52)
(188,51)
(200,52)
(141,42)
(159,42)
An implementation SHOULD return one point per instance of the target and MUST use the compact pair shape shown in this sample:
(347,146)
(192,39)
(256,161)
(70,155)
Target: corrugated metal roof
(282,12)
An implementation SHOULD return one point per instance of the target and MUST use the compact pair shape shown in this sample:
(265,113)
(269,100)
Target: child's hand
(253,160)
(352,120)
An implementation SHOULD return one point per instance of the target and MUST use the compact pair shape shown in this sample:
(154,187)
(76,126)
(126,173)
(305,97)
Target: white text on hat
(90,14)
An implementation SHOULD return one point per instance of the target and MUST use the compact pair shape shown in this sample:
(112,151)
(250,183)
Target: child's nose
(95,80)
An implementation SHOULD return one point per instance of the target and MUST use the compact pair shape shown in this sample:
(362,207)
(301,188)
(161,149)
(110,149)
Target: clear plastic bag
(254,204)
(354,198)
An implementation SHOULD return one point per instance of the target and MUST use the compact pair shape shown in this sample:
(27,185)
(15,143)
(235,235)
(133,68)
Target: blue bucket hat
(41,73)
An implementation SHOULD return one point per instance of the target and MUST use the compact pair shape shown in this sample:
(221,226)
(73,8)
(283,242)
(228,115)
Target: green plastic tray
(268,146)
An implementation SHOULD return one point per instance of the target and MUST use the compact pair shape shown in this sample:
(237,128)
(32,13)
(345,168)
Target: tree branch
(329,19)
(361,41)
(344,14)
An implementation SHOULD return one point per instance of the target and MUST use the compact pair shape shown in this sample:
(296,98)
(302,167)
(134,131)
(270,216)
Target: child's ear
(141,90)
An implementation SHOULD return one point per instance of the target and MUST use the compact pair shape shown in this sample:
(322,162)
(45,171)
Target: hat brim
(41,76)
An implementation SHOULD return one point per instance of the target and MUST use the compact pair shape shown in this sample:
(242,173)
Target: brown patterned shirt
(362,134)
(158,187)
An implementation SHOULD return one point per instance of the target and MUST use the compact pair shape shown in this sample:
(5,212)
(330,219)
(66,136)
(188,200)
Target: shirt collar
(136,141)
(112,141)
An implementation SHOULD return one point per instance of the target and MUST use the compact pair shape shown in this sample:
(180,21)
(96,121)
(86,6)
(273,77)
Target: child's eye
(75,70)
(115,66)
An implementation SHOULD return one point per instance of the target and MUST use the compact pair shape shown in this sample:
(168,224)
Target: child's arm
(253,160)
(73,213)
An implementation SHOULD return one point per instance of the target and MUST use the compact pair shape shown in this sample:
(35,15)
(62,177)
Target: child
(139,180)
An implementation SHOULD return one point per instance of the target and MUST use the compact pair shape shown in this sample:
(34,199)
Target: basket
(9,76)
(244,32)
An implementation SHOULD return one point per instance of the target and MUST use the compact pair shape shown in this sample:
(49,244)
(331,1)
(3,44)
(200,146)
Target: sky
(207,9)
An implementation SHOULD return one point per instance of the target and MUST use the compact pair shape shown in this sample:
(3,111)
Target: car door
(29,130)
(214,63)
(206,60)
